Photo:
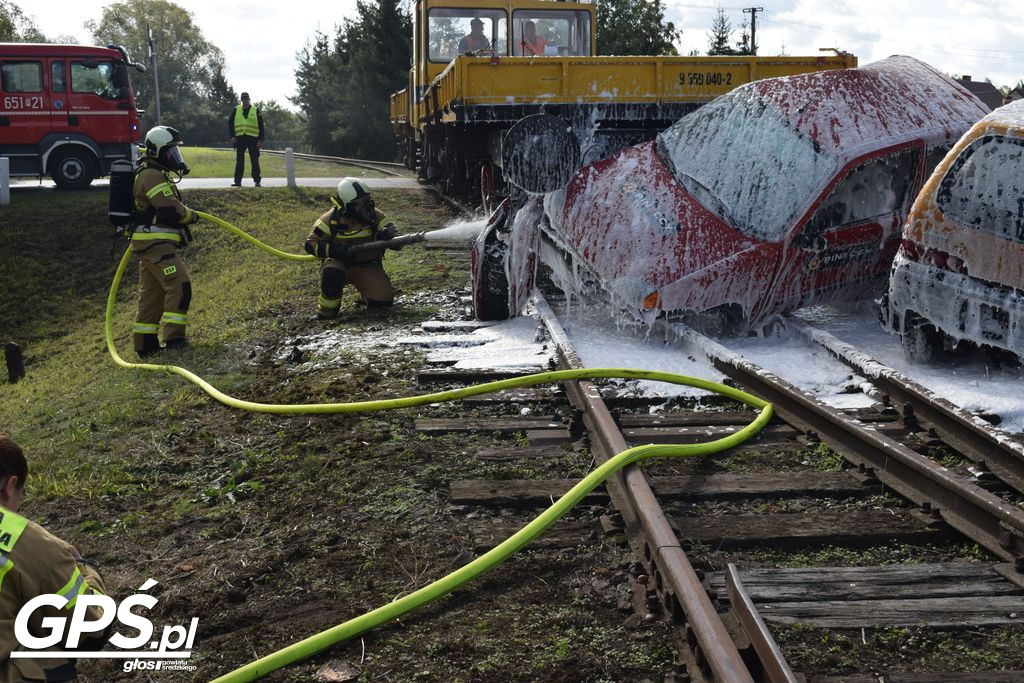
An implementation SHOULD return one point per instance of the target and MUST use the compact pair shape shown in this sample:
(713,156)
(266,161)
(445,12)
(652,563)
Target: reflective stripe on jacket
(160,201)
(34,562)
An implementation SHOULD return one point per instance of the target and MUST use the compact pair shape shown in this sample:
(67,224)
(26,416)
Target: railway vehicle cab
(440,27)
(959,273)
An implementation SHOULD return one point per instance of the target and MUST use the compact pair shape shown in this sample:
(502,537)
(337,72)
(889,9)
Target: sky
(259,38)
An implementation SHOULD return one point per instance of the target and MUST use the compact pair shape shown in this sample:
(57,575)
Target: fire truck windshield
(96,78)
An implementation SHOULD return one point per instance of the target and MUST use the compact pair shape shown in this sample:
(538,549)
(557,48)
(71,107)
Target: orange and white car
(959,272)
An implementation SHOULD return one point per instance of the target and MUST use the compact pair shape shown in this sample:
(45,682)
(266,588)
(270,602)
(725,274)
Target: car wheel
(73,169)
(922,342)
(490,281)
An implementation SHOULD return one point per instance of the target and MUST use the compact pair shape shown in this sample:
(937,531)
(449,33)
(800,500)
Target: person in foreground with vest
(245,127)
(353,220)
(34,562)
(161,229)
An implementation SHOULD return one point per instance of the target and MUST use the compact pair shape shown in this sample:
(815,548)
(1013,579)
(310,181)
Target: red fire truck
(66,111)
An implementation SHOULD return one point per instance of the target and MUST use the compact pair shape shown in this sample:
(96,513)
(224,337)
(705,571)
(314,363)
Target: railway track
(682,527)
(716,547)
(391,169)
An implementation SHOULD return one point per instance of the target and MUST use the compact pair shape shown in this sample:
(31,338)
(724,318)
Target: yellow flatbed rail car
(452,116)
(472,82)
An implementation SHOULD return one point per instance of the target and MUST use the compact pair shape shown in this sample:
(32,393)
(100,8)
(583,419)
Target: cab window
(451,32)
(22,76)
(57,81)
(550,33)
(874,189)
(95,78)
(984,189)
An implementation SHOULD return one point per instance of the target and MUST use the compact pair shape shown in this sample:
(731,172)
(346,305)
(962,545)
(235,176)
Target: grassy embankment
(267,528)
(58,258)
(217,163)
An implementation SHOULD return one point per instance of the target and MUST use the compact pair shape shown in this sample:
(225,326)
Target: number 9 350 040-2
(18,102)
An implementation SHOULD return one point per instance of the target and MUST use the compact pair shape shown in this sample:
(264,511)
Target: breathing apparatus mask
(363,210)
(174,160)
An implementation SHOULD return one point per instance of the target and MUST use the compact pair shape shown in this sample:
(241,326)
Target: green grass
(54,298)
(216,163)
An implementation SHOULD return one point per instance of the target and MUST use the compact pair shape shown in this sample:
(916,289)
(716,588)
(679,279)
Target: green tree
(344,84)
(314,95)
(720,38)
(626,27)
(284,128)
(16,26)
(188,65)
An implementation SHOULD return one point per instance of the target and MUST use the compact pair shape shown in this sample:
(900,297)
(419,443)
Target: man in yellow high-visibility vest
(245,128)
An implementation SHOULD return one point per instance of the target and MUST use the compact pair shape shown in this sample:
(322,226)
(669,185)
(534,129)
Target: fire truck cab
(67,111)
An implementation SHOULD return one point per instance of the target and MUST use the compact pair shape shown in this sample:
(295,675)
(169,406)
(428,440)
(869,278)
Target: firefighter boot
(150,345)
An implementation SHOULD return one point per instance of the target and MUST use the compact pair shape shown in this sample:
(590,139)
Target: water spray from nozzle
(459,230)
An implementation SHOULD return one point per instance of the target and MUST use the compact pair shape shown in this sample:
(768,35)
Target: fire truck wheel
(73,169)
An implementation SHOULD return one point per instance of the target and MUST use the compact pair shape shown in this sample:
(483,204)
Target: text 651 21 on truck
(67,111)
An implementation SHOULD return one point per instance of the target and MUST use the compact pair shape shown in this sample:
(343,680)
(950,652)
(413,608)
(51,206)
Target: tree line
(344,76)
(195,96)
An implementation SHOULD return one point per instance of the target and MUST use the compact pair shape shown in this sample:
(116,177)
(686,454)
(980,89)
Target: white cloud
(985,40)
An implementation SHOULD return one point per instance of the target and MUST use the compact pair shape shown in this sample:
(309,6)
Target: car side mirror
(811,241)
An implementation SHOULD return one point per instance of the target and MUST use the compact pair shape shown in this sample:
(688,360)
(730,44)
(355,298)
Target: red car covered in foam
(784,192)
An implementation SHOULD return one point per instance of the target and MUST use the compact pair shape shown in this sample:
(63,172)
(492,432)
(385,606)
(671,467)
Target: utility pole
(156,79)
(752,11)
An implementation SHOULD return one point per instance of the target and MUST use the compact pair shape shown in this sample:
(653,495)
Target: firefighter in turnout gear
(160,230)
(34,562)
(353,220)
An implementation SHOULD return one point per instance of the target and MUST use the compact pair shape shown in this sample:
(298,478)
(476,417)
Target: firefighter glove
(340,252)
(389,232)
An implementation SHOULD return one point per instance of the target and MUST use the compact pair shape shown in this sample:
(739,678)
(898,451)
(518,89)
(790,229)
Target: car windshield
(985,188)
(761,173)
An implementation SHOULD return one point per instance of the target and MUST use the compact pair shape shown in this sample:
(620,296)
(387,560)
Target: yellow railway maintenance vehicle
(530,57)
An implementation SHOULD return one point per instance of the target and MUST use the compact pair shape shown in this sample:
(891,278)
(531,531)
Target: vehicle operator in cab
(530,43)
(476,40)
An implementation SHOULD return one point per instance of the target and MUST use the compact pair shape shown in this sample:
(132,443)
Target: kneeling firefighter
(354,220)
(159,230)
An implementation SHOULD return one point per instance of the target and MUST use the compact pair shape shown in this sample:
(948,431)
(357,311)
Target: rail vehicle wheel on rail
(490,278)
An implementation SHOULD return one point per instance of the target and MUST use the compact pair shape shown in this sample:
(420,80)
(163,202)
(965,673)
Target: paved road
(23,185)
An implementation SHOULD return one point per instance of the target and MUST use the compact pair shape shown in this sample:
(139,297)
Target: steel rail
(776,669)
(978,514)
(682,589)
(382,166)
(968,434)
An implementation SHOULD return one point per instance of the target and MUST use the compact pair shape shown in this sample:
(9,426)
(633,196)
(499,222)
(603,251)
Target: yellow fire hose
(498,554)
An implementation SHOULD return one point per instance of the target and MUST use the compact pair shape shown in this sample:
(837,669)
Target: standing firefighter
(354,220)
(164,287)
